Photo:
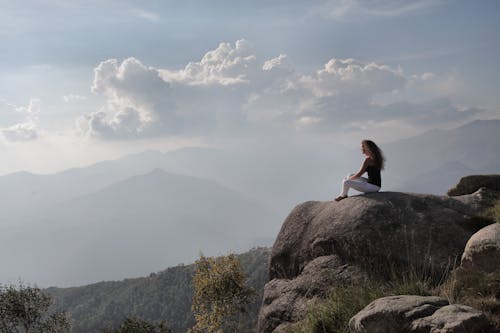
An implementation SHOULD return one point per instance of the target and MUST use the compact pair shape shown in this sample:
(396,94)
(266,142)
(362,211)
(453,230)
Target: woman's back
(374,175)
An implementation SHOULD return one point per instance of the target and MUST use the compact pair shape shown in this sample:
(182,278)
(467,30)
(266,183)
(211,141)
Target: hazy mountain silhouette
(135,226)
(433,161)
(283,175)
(50,223)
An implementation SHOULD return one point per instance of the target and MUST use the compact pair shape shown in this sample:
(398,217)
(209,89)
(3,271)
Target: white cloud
(126,122)
(32,109)
(20,132)
(431,85)
(8,113)
(347,9)
(226,65)
(140,99)
(341,91)
(435,112)
(146,15)
(230,91)
(20,121)
(73,98)
(137,99)
(280,62)
(351,77)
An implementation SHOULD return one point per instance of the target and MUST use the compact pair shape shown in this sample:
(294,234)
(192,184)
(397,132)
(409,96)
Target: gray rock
(482,252)
(418,314)
(286,301)
(378,228)
(479,200)
(455,318)
(394,313)
(323,245)
(471,184)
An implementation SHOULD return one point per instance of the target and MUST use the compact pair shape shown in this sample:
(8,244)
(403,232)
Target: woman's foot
(340,197)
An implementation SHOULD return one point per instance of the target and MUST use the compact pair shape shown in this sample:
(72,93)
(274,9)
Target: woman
(373,163)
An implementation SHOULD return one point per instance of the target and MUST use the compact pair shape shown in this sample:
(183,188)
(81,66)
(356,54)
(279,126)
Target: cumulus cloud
(229,89)
(348,77)
(342,90)
(20,132)
(138,100)
(20,122)
(226,65)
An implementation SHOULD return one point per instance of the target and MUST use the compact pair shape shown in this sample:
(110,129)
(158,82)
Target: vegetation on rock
(476,289)
(332,314)
(460,286)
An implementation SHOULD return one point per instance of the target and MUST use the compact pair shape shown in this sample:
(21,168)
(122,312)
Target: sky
(84,81)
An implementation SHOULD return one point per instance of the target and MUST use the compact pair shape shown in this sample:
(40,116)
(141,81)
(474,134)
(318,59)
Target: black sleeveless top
(374,175)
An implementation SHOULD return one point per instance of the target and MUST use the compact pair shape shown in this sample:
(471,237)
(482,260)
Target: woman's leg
(345,188)
(360,184)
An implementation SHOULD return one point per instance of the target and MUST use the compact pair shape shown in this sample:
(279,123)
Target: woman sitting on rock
(373,163)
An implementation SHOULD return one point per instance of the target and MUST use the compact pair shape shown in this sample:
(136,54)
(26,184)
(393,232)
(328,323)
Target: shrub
(24,309)
(136,325)
(220,292)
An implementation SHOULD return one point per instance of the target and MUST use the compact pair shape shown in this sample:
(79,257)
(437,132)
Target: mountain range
(146,211)
(162,296)
(131,227)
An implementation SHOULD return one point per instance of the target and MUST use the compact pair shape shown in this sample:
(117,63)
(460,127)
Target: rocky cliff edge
(324,245)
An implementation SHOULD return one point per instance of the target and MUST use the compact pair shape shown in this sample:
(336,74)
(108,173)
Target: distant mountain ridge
(135,225)
(166,295)
(431,162)
(85,207)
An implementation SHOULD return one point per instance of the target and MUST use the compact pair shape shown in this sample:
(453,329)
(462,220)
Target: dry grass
(332,314)
(476,289)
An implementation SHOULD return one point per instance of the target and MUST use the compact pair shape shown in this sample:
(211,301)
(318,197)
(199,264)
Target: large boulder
(378,228)
(482,252)
(418,314)
(371,235)
(471,184)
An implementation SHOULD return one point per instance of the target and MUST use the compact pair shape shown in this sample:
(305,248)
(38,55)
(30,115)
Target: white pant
(360,184)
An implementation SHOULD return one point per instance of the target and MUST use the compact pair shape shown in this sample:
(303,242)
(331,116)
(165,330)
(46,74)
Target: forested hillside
(165,295)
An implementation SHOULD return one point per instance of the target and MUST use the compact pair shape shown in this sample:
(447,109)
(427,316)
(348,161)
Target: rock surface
(418,314)
(471,184)
(482,252)
(285,301)
(399,228)
(362,236)
(479,201)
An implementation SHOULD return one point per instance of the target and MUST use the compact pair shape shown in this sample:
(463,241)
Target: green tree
(24,309)
(136,325)
(220,293)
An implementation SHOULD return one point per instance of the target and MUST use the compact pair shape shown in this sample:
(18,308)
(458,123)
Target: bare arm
(362,170)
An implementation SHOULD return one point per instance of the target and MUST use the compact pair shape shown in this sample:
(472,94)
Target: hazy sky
(82,81)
